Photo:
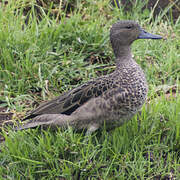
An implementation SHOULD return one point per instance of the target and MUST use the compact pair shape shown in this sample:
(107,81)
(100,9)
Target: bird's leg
(92,128)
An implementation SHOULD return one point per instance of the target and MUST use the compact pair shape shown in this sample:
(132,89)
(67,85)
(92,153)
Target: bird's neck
(122,54)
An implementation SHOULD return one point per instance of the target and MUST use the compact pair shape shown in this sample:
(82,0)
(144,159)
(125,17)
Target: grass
(43,58)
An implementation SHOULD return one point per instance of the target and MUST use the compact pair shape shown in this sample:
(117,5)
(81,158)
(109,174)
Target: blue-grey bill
(145,35)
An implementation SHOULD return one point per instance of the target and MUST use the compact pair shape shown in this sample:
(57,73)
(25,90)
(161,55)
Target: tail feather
(46,120)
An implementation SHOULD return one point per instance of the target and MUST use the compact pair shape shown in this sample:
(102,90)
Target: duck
(109,100)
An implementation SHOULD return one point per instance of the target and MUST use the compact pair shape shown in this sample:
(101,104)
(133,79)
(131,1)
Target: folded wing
(73,99)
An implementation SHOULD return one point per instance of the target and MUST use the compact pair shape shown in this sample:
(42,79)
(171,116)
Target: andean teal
(113,98)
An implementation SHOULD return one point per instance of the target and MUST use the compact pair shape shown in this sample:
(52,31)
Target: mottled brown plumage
(112,99)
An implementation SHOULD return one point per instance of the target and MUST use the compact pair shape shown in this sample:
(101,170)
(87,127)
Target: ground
(46,51)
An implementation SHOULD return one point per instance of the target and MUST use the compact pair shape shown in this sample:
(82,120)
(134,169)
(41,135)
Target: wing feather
(68,102)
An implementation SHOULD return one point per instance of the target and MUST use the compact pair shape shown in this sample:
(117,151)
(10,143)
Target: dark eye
(128,27)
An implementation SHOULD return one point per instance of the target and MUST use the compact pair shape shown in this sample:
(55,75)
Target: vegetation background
(48,47)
